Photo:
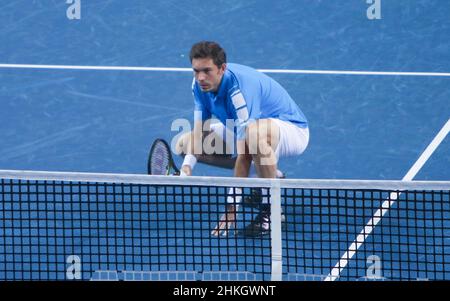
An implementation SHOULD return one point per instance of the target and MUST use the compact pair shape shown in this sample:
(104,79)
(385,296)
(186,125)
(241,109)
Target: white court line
(115,68)
(342,263)
(171,69)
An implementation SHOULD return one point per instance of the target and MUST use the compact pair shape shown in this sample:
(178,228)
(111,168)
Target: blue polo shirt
(246,95)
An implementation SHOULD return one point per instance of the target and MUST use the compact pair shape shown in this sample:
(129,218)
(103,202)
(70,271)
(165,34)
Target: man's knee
(252,138)
(262,135)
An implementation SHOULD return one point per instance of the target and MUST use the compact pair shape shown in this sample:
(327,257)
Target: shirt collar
(223,87)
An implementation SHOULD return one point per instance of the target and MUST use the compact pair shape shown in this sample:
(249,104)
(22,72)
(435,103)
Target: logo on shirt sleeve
(240,106)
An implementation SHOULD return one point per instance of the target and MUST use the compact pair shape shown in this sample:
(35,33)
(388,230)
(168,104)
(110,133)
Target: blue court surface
(362,126)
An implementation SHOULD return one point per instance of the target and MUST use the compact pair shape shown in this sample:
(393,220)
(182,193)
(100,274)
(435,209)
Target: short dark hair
(208,49)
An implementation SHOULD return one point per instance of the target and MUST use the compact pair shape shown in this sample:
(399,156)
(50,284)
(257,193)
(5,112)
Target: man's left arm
(242,113)
(241,169)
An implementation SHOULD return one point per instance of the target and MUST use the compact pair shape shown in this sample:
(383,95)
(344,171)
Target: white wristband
(190,160)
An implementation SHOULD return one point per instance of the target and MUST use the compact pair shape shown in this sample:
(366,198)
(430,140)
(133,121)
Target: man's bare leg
(263,139)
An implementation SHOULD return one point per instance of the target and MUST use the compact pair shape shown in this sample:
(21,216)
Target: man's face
(207,74)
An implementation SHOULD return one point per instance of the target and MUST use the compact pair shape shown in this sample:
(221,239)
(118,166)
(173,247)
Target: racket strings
(160,160)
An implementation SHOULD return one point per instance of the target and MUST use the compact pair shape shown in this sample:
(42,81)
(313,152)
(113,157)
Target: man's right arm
(243,160)
(241,169)
(194,148)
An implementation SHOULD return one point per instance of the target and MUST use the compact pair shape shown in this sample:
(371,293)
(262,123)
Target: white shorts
(293,139)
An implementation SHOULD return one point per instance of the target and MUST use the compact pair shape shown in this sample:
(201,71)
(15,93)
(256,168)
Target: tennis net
(81,226)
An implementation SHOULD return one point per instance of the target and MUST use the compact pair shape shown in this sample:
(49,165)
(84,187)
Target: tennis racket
(160,161)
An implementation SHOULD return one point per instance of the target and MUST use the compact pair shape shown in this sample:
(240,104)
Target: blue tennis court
(362,127)
(368,125)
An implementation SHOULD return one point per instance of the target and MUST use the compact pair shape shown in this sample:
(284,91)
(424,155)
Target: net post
(275,230)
